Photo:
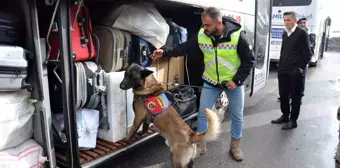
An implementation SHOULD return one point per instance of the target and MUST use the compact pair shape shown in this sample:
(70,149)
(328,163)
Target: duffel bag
(183,98)
(16,124)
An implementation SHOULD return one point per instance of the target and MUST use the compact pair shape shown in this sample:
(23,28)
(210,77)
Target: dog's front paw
(129,137)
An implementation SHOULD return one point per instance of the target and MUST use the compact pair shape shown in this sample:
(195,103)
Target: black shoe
(290,125)
(280,120)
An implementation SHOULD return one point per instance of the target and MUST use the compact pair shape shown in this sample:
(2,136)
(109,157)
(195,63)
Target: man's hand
(158,53)
(230,85)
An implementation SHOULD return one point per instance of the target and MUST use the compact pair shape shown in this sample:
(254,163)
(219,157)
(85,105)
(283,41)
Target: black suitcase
(88,79)
(90,89)
(11,28)
(13,68)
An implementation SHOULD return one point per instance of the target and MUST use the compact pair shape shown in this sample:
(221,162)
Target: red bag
(81,36)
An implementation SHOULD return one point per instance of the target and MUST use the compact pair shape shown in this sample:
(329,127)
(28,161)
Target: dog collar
(156,105)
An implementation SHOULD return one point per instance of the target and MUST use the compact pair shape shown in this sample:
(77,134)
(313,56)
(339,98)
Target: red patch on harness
(157,104)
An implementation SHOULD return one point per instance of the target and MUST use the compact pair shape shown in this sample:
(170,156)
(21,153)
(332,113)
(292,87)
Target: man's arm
(306,53)
(246,54)
(181,49)
(282,43)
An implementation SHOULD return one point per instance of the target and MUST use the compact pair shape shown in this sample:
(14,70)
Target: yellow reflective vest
(221,61)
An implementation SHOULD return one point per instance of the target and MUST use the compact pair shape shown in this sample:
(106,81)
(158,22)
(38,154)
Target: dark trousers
(291,82)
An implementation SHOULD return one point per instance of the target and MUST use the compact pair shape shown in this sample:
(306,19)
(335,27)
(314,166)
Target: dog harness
(156,105)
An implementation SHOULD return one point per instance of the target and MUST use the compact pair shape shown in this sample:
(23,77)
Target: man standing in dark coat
(295,56)
(302,23)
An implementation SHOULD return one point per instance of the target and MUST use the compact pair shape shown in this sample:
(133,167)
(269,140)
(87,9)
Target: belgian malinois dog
(152,106)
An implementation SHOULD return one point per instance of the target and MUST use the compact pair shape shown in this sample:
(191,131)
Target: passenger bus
(313,10)
(41,16)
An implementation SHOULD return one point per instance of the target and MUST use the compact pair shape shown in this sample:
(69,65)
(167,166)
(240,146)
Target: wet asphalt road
(312,145)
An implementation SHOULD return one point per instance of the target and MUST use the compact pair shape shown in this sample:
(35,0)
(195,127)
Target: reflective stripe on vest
(225,54)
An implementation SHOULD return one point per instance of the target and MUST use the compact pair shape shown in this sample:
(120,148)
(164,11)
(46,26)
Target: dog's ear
(145,73)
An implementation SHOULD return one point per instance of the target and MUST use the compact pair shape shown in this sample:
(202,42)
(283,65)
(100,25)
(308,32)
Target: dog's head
(134,77)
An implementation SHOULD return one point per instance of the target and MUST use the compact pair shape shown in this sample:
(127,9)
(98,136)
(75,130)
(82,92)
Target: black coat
(295,50)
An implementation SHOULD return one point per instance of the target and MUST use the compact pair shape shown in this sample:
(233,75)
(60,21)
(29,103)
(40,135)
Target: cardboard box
(169,71)
(176,71)
(162,69)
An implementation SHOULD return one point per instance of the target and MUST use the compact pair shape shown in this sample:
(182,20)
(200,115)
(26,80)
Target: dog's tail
(213,128)
(214,125)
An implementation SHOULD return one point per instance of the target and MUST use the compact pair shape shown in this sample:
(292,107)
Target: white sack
(141,19)
(87,126)
(27,155)
(16,113)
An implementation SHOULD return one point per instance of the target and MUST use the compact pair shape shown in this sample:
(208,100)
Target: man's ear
(145,73)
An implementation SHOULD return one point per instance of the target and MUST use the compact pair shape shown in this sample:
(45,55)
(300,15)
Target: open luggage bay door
(261,45)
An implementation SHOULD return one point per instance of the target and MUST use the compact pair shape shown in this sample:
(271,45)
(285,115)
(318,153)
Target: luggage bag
(29,154)
(11,28)
(81,34)
(183,98)
(114,48)
(90,89)
(90,84)
(16,121)
(13,68)
(143,51)
(87,128)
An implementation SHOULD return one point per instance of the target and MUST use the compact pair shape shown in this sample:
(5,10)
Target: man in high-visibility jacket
(228,59)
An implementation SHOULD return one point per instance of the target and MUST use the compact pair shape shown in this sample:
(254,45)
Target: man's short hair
(212,12)
(290,13)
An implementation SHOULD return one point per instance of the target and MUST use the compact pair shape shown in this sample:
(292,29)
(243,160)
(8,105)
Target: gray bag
(13,68)
(113,48)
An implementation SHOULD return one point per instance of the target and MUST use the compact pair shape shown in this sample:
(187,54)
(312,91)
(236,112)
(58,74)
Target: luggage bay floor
(105,149)
(312,144)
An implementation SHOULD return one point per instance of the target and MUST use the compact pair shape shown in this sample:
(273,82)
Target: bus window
(292,2)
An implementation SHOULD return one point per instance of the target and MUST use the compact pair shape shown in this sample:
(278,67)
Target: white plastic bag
(16,124)
(27,155)
(141,19)
(87,126)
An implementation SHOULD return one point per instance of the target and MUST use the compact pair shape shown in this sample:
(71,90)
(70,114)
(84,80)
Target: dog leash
(222,86)
(175,84)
